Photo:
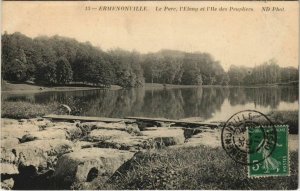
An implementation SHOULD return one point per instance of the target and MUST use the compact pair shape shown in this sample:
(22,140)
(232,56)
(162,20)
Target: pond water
(207,103)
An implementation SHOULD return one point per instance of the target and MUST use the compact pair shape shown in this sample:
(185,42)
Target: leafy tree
(16,71)
(64,71)
(46,74)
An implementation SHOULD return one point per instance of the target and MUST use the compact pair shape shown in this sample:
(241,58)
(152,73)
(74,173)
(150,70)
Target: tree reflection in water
(169,103)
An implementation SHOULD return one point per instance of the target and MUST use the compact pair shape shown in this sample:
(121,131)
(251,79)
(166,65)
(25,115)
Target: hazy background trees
(177,67)
(266,73)
(59,61)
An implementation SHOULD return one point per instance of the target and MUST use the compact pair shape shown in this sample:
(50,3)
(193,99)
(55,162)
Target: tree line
(266,73)
(59,61)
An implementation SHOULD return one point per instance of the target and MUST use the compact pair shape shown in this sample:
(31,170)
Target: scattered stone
(133,129)
(72,132)
(9,142)
(27,138)
(103,134)
(44,135)
(40,154)
(22,120)
(101,125)
(17,131)
(189,132)
(165,136)
(82,145)
(88,164)
(9,169)
(210,138)
(42,149)
(132,143)
(7,184)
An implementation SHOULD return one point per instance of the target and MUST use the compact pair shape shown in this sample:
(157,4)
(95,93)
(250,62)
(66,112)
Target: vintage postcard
(169,95)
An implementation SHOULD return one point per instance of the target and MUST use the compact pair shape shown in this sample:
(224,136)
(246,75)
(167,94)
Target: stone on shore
(9,142)
(101,125)
(210,138)
(7,184)
(59,131)
(89,164)
(165,136)
(44,135)
(41,154)
(72,131)
(8,169)
(103,134)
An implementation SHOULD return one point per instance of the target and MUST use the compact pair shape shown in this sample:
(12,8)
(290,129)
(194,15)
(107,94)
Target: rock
(88,164)
(101,125)
(16,130)
(27,138)
(9,169)
(133,129)
(78,145)
(7,184)
(40,154)
(211,138)
(189,132)
(45,134)
(165,136)
(59,131)
(152,138)
(119,140)
(9,142)
(132,143)
(72,132)
(22,120)
(103,134)
(6,121)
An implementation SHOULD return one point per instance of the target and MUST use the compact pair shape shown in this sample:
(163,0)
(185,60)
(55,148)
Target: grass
(26,110)
(194,168)
(31,87)
(287,118)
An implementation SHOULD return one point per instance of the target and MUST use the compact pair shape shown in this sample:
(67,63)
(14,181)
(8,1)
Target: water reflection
(204,102)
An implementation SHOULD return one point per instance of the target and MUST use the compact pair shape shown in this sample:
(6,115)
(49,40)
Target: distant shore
(33,88)
(7,87)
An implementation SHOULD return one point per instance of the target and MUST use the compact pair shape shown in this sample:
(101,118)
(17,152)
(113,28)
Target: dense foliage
(58,61)
(175,67)
(266,73)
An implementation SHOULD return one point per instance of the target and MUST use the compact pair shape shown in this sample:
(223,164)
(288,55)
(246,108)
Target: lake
(207,103)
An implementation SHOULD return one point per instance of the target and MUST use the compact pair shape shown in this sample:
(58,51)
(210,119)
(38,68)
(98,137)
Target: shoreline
(75,146)
(12,88)
(7,87)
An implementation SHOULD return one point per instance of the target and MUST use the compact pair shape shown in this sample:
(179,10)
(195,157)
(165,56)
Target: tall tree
(64,71)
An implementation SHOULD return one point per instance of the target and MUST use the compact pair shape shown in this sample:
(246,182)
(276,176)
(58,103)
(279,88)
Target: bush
(25,110)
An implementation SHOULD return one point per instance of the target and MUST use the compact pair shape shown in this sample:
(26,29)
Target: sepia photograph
(178,95)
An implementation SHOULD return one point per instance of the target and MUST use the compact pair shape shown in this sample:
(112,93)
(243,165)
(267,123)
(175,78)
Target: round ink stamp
(246,133)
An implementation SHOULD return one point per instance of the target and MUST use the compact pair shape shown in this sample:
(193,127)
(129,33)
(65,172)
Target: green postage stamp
(273,162)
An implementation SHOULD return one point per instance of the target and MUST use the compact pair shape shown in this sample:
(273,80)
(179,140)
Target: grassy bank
(28,87)
(194,168)
(286,118)
(26,110)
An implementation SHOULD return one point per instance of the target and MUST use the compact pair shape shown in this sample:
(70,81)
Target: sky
(233,38)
